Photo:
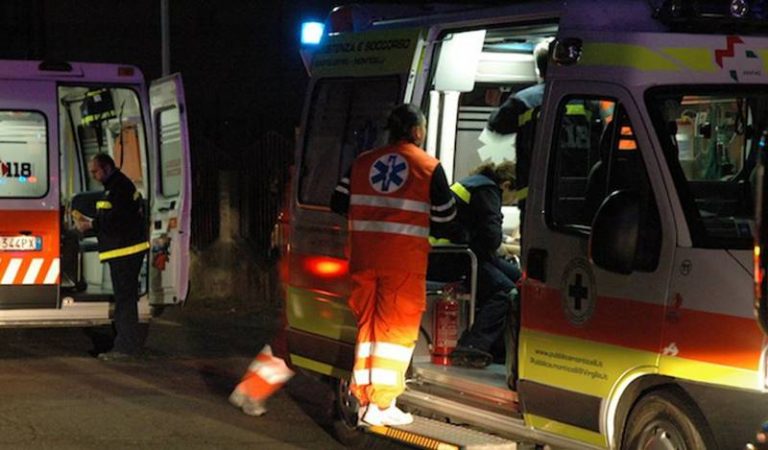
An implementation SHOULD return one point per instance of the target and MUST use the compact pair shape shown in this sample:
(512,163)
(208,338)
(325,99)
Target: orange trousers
(388,306)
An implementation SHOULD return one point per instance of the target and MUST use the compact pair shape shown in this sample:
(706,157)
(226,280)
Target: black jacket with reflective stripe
(480,214)
(119,223)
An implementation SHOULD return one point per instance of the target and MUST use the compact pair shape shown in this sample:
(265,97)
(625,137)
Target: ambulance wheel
(666,420)
(345,428)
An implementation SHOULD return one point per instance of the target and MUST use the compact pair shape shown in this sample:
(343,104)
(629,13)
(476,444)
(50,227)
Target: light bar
(312,33)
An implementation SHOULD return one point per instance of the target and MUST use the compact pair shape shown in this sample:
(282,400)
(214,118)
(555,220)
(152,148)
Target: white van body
(53,118)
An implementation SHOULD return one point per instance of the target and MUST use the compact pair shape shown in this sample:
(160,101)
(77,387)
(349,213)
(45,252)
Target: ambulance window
(23,154)
(710,137)
(595,155)
(346,117)
(578,172)
(169,140)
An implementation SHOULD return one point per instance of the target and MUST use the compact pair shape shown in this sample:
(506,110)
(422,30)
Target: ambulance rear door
(356,80)
(170,205)
(29,195)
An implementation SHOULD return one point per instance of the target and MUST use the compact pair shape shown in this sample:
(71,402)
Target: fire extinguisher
(445,327)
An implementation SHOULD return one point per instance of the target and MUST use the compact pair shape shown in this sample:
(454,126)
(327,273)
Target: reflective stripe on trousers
(388,306)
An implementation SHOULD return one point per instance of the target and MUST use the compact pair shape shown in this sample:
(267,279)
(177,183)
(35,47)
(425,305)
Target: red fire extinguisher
(445,327)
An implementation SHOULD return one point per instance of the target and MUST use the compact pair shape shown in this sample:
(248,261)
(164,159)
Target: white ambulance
(53,118)
(637,322)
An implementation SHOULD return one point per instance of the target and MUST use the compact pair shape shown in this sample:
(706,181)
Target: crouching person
(479,199)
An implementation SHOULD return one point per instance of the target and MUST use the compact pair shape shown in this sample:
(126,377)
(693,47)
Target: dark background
(243,76)
(244,83)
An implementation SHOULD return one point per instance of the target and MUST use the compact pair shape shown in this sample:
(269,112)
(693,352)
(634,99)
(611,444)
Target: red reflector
(326,267)
(124,71)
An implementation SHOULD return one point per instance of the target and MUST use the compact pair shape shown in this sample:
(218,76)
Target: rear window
(347,117)
(23,155)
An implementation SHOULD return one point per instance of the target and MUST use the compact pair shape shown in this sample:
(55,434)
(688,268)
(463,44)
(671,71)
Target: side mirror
(615,233)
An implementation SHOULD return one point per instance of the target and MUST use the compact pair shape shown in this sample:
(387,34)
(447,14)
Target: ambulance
(637,322)
(54,116)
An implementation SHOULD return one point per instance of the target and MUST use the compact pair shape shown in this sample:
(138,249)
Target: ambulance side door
(171,202)
(586,329)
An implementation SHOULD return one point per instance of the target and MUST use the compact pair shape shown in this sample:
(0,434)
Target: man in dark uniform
(519,114)
(122,233)
(479,199)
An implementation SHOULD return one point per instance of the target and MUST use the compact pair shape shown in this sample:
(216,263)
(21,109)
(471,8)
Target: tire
(666,420)
(345,428)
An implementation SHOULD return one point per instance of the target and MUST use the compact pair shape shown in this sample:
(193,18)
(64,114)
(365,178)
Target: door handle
(536,264)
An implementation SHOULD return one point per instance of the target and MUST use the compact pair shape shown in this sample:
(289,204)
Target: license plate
(20,243)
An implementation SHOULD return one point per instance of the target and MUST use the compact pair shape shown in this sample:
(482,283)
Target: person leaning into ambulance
(519,114)
(121,231)
(394,197)
(479,198)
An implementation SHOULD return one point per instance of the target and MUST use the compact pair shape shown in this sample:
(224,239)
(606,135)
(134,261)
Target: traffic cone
(264,377)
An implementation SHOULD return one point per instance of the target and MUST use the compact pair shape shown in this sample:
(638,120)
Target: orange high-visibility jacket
(389,209)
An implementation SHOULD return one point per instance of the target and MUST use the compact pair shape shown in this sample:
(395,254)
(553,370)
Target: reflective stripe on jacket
(389,209)
(120,225)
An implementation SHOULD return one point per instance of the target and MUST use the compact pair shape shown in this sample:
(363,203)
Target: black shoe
(116,356)
(468,356)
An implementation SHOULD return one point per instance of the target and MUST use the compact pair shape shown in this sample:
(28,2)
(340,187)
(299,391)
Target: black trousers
(125,282)
(495,294)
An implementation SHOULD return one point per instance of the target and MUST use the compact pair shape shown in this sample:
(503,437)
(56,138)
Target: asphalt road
(54,394)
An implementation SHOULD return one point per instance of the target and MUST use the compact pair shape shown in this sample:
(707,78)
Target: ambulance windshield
(710,137)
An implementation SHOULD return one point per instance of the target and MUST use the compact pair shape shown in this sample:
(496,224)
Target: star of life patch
(388,173)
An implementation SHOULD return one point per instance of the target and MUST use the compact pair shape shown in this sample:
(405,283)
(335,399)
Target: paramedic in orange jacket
(394,197)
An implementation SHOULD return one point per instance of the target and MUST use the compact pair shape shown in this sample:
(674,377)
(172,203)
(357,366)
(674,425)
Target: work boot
(469,356)
(390,417)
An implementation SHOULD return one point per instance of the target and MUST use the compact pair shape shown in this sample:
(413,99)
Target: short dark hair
(103,160)
(402,119)
(499,173)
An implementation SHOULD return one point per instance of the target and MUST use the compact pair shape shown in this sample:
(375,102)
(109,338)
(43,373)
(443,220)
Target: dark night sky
(239,58)
(242,72)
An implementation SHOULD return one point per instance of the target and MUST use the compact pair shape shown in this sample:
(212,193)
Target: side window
(169,139)
(579,168)
(23,155)
(596,155)
(346,117)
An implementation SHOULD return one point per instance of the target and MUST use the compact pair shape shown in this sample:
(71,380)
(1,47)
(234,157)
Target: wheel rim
(662,435)
(347,404)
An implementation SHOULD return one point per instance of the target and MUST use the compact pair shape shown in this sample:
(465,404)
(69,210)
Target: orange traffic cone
(264,377)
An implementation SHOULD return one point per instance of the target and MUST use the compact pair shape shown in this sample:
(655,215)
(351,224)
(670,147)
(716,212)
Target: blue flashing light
(312,32)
